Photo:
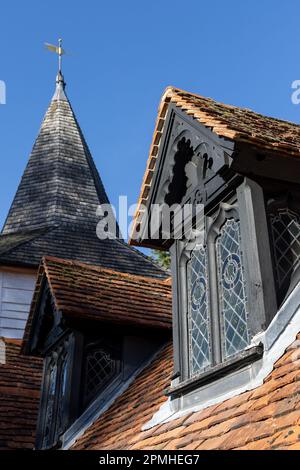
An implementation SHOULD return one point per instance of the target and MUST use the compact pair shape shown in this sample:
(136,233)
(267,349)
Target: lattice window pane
(55,393)
(50,403)
(233,300)
(285,227)
(198,314)
(61,394)
(100,368)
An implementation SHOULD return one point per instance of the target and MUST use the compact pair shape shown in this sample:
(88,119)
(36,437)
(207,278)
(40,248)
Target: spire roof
(60,182)
(54,209)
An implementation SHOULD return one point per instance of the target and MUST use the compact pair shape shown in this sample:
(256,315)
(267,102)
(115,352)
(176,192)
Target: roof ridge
(100,269)
(174,89)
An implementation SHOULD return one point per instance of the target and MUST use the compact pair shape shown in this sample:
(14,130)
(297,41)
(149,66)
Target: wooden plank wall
(16,290)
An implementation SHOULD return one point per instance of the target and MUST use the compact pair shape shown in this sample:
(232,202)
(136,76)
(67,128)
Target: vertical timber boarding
(16,291)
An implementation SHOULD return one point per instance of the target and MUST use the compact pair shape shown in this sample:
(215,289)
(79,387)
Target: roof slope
(93,293)
(54,209)
(265,418)
(20,382)
(231,122)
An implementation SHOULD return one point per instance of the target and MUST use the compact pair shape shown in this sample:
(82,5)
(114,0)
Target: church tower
(54,213)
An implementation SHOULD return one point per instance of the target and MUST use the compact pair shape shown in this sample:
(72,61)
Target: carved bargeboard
(195,163)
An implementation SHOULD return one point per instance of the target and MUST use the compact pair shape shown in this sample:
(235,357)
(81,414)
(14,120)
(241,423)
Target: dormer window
(224,288)
(231,281)
(218,308)
(235,271)
(92,347)
(77,370)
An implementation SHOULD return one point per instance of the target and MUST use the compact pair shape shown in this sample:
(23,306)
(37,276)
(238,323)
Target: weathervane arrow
(58,50)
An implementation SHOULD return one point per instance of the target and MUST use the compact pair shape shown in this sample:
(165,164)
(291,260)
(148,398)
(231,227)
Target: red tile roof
(20,381)
(265,418)
(230,122)
(93,293)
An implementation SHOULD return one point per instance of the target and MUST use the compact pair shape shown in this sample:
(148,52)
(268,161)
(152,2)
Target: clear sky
(122,56)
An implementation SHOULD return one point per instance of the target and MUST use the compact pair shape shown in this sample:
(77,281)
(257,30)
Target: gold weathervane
(58,50)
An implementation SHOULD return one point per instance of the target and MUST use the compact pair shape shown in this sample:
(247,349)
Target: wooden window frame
(248,206)
(77,344)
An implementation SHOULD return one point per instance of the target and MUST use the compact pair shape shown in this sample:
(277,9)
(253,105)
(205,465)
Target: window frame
(64,350)
(289,201)
(72,345)
(248,206)
(115,350)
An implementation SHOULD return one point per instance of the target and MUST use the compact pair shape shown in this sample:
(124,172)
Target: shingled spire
(60,182)
(54,210)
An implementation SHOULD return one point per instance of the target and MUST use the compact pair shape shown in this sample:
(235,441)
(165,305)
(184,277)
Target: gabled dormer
(236,257)
(96,330)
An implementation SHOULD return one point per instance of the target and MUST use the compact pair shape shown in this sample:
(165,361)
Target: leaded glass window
(217,303)
(50,403)
(285,229)
(55,413)
(64,365)
(101,366)
(91,365)
(198,312)
(232,290)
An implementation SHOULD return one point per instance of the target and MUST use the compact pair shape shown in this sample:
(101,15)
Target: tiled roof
(20,381)
(230,122)
(265,418)
(93,293)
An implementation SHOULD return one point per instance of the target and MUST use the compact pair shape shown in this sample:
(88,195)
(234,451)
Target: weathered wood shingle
(54,210)
(60,182)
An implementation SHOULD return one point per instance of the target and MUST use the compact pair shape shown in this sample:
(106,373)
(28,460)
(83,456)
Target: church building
(103,349)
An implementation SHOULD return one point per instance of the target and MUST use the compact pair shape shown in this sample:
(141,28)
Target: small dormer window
(77,371)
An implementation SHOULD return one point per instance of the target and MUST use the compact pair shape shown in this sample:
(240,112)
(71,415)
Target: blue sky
(122,56)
